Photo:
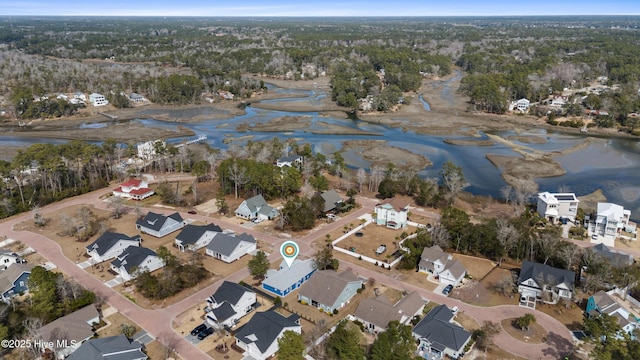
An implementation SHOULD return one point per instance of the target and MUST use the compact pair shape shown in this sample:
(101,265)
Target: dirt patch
(462,142)
(476,267)
(526,167)
(114,325)
(590,201)
(469,323)
(284,123)
(535,334)
(372,236)
(377,152)
(568,313)
(481,293)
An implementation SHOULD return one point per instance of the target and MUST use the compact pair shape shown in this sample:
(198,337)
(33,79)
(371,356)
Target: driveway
(115,282)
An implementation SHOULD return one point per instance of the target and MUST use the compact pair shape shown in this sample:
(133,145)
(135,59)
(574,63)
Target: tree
(128,330)
(301,212)
(453,179)
(291,346)
(117,204)
(396,343)
(525,321)
(484,336)
(258,265)
(324,259)
(343,343)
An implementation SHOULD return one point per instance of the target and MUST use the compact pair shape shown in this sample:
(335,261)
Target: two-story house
(259,337)
(438,336)
(437,262)
(134,189)
(109,245)
(228,304)
(74,328)
(611,304)
(554,206)
(8,258)
(545,283)
(256,208)
(393,213)
(610,220)
(195,237)
(289,161)
(14,281)
(135,260)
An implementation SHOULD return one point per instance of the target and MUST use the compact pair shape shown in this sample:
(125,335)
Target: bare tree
(506,192)
(523,190)
(548,244)
(238,176)
(117,204)
(440,236)
(569,252)
(507,235)
(453,179)
(361,178)
(375,177)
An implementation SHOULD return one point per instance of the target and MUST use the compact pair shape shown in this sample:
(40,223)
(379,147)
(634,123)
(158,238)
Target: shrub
(277,301)
(335,311)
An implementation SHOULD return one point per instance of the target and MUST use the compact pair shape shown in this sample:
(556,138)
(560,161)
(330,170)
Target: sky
(319,8)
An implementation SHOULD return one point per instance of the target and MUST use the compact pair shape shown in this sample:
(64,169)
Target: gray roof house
(375,314)
(438,336)
(545,282)
(135,260)
(14,280)
(75,328)
(230,248)
(109,245)
(329,290)
(109,348)
(286,279)
(615,258)
(435,261)
(331,200)
(229,303)
(289,161)
(159,225)
(256,207)
(194,237)
(259,337)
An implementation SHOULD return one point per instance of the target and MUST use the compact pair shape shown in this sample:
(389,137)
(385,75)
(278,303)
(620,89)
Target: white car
(332,217)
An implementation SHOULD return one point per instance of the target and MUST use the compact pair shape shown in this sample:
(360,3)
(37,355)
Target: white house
(195,237)
(375,314)
(256,208)
(259,337)
(136,98)
(230,248)
(553,206)
(135,260)
(109,245)
(79,97)
(134,189)
(98,99)
(75,328)
(546,283)
(521,105)
(7,258)
(392,214)
(610,220)
(438,336)
(159,225)
(437,262)
(289,161)
(229,304)
(147,150)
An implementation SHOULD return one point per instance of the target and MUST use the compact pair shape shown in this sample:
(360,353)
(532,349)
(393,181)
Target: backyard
(371,237)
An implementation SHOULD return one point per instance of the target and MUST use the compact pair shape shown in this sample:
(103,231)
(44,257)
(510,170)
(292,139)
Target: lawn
(481,293)
(373,236)
(476,267)
(535,334)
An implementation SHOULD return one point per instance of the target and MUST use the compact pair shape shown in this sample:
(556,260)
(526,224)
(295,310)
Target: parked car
(192,212)
(196,330)
(454,310)
(204,333)
(257,220)
(447,289)
(332,217)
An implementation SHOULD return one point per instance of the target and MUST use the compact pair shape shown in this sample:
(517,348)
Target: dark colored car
(197,329)
(447,289)
(204,333)
(192,212)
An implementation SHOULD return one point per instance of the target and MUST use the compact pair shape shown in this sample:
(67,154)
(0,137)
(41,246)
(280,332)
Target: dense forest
(176,60)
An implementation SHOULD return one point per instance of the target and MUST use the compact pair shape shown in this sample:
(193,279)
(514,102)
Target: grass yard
(476,267)
(535,334)
(372,237)
(569,314)
(114,325)
(482,293)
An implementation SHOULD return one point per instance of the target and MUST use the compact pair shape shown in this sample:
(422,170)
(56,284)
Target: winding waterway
(608,164)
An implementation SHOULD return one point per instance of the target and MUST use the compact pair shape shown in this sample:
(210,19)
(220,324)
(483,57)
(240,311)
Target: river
(608,164)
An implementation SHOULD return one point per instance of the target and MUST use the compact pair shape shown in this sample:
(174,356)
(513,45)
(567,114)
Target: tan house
(74,328)
(375,314)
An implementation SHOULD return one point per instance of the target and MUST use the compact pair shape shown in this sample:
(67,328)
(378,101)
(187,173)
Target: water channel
(608,164)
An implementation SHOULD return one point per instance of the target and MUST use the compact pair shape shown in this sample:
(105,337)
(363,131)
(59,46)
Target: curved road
(158,322)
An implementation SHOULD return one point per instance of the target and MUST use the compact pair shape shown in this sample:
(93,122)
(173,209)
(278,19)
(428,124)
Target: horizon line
(323,16)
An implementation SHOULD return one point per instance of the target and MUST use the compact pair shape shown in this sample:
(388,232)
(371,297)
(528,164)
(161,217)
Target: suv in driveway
(447,289)
(196,330)
(204,333)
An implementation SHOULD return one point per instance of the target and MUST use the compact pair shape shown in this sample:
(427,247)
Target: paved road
(158,322)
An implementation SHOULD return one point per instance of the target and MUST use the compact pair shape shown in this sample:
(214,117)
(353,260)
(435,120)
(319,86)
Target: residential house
(148,150)
(195,237)
(616,259)
(437,262)
(159,225)
(74,328)
(554,206)
(286,279)
(439,336)
(136,98)
(259,337)
(376,313)
(557,101)
(14,281)
(329,290)
(546,283)
(228,304)
(229,247)
(610,220)
(521,105)
(393,213)
(114,347)
(611,304)
(256,208)
(289,161)
(79,97)
(98,99)
(8,258)
(332,200)
(135,260)
(62,97)
(109,245)
(133,189)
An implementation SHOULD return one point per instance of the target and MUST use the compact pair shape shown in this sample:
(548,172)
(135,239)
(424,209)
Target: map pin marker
(289,251)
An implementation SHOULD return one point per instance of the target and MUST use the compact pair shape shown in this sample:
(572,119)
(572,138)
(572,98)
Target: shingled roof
(546,274)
